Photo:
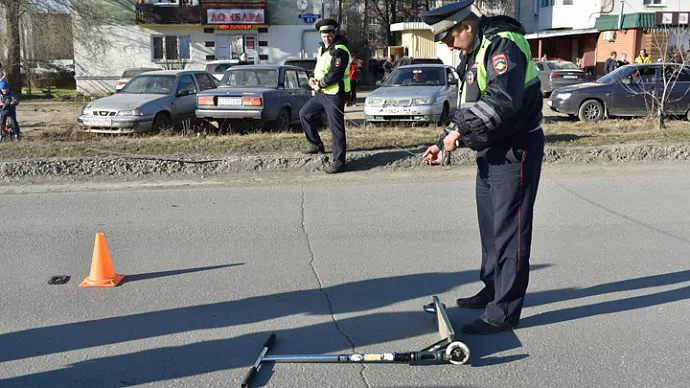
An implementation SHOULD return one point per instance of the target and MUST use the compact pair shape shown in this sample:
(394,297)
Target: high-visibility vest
(474,85)
(323,66)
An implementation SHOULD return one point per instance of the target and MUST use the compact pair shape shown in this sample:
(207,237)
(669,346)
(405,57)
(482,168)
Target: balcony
(564,15)
(171,13)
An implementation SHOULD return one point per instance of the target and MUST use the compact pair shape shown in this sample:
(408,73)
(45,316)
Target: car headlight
(86,111)
(373,102)
(133,112)
(423,101)
(563,96)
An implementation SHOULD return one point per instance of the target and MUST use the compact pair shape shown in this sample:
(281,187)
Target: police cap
(325,25)
(443,19)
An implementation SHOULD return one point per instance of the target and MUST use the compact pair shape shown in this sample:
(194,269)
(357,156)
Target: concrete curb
(393,159)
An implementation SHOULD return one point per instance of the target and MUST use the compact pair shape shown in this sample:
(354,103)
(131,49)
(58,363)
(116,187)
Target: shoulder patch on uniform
(469,78)
(338,62)
(500,63)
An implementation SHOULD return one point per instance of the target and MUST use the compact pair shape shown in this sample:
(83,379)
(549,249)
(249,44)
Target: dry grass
(617,131)
(71,142)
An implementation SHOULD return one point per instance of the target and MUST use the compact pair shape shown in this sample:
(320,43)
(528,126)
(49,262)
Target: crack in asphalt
(323,291)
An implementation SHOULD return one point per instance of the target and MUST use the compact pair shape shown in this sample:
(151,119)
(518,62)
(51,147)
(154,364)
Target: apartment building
(591,29)
(189,33)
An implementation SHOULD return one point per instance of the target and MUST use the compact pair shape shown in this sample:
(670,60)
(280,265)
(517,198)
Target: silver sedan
(155,100)
(415,93)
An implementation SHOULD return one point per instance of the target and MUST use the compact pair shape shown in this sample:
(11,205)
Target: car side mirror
(183,93)
(453,81)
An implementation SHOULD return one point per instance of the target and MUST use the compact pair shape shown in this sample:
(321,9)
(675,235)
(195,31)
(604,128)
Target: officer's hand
(433,155)
(450,141)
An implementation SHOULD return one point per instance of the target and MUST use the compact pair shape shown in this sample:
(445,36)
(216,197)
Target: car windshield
(565,65)
(218,67)
(134,73)
(621,73)
(252,78)
(416,76)
(306,65)
(150,84)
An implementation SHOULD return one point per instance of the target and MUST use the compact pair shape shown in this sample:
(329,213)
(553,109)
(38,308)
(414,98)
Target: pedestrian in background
(611,64)
(623,61)
(354,77)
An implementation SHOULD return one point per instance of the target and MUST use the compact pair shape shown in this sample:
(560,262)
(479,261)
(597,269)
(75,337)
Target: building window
(170,47)
(546,3)
(653,2)
(567,2)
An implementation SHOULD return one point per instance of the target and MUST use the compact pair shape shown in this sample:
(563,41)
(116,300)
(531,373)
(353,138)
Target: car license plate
(98,122)
(230,101)
(570,76)
(394,111)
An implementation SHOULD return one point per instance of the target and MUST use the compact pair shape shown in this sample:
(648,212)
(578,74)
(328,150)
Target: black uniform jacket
(340,64)
(507,108)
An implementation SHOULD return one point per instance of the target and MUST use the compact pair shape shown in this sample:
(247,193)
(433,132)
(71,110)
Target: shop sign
(235,16)
(235,26)
(671,18)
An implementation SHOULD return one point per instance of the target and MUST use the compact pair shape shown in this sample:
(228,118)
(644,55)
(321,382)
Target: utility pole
(365,54)
(340,13)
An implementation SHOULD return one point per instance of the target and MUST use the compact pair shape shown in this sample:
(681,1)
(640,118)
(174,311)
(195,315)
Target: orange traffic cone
(102,271)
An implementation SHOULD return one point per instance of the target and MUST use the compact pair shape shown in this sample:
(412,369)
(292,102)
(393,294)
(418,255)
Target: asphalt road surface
(332,268)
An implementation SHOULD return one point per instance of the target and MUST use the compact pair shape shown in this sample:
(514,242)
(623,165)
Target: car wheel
(591,110)
(161,122)
(282,123)
(444,114)
(687,116)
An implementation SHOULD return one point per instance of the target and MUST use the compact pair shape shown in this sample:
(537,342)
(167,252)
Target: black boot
(312,149)
(335,168)
(486,326)
(478,301)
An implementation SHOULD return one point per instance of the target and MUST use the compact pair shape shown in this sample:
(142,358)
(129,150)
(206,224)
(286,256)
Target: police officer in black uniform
(331,83)
(500,118)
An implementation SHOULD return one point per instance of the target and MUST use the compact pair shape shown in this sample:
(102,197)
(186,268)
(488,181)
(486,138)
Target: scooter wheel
(458,353)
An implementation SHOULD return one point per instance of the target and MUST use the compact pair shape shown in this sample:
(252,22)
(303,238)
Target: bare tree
(659,83)
(90,17)
(496,7)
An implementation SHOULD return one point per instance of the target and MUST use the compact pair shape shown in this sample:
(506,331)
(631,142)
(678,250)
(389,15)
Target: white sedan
(415,93)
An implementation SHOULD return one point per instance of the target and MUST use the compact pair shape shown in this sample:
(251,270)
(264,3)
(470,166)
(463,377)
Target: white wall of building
(120,47)
(634,6)
(286,42)
(539,15)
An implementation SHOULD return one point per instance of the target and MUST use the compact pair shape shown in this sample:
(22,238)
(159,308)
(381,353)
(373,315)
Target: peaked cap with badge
(443,19)
(325,25)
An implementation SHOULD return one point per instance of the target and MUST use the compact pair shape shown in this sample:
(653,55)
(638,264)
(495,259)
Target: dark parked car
(307,64)
(624,92)
(557,74)
(270,94)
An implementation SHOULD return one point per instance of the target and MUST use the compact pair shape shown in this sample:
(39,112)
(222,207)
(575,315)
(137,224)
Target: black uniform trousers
(333,105)
(507,180)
